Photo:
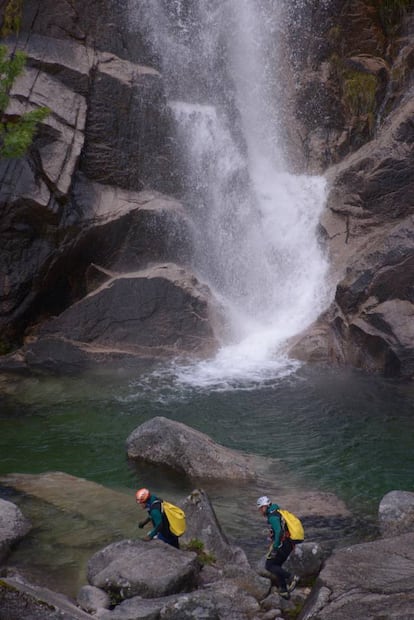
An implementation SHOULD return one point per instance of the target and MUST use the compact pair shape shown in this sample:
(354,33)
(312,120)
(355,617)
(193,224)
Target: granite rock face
(189,451)
(13,527)
(77,199)
(366,581)
(369,231)
(108,143)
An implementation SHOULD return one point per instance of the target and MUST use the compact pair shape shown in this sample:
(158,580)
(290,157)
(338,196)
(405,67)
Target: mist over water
(256,223)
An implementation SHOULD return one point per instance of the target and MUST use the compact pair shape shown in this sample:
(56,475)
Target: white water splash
(256,242)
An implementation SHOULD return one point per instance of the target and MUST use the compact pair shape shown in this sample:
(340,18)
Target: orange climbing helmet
(142,495)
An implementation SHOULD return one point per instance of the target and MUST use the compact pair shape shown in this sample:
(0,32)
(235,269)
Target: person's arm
(156,518)
(144,522)
(274,522)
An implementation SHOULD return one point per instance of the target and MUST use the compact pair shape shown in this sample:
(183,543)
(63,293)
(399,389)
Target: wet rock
(124,231)
(369,224)
(164,441)
(13,527)
(129,568)
(43,267)
(163,311)
(159,312)
(80,501)
(114,157)
(90,599)
(365,581)
(396,513)
(21,600)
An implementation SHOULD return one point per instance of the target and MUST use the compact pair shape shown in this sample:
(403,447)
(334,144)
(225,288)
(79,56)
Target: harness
(283,526)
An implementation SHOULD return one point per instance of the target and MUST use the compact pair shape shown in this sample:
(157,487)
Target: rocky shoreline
(209,577)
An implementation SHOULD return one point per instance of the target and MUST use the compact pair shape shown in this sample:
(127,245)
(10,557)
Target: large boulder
(369,580)
(162,311)
(171,443)
(13,527)
(396,513)
(149,569)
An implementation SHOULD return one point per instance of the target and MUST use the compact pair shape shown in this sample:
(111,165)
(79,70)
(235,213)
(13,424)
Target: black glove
(143,523)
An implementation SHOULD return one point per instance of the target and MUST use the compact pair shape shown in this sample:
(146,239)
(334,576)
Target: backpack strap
(283,525)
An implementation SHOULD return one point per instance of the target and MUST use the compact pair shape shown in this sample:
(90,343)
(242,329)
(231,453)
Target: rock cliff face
(89,200)
(358,116)
(100,185)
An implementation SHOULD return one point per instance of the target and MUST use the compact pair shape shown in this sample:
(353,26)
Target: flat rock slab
(20,600)
(77,496)
(370,580)
(149,569)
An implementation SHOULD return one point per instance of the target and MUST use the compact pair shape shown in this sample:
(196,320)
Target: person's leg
(170,540)
(274,564)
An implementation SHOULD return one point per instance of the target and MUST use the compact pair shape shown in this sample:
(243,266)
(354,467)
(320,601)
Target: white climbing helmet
(263,501)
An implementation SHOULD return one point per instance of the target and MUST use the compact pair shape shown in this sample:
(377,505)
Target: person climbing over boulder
(280,548)
(160,525)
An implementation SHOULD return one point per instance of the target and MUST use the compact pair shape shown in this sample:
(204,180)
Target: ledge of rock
(370,580)
(20,600)
(170,443)
(162,311)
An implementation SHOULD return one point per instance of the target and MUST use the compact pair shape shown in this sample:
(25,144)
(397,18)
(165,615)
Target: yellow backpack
(176,518)
(294,526)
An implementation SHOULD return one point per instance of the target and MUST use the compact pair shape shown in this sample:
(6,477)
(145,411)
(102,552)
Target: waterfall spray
(256,242)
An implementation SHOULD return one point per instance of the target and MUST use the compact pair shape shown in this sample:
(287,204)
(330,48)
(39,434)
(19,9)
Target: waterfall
(256,242)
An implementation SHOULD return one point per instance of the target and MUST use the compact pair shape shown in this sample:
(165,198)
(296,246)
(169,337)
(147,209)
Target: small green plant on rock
(12,17)
(391,14)
(359,90)
(359,96)
(17,131)
(197,546)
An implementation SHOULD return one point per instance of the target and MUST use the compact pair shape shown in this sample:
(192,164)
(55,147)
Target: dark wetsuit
(282,547)
(161,528)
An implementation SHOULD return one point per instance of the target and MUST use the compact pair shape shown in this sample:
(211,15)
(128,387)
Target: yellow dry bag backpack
(294,526)
(176,518)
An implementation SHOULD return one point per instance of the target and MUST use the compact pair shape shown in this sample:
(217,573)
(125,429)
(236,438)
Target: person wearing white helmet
(280,549)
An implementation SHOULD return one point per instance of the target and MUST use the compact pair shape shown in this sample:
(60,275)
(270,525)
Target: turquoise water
(334,431)
(345,432)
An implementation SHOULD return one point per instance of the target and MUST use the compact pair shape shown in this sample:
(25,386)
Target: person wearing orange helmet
(160,526)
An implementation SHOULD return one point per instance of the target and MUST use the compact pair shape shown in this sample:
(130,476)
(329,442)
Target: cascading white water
(256,223)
